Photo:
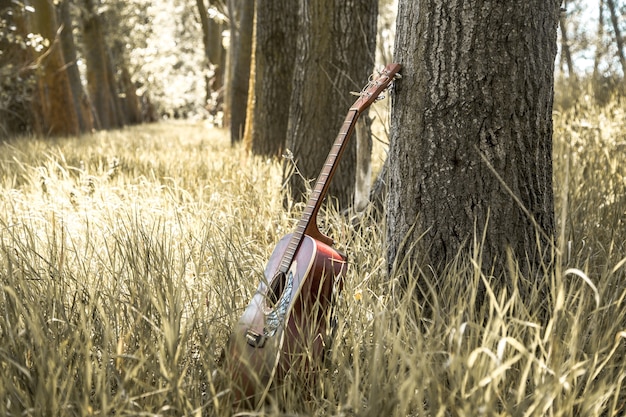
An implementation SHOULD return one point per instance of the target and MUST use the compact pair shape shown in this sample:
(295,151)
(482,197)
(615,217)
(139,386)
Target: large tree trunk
(241,53)
(336,46)
(54,93)
(275,50)
(471,134)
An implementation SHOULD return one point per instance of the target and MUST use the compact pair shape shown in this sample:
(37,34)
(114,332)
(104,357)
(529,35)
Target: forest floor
(127,256)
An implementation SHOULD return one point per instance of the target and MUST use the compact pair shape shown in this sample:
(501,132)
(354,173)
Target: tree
(241,51)
(215,56)
(336,46)
(58,113)
(274,56)
(81,101)
(100,77)
(618,34)
(599,52)
(566,54)
(471,135)
(17,79)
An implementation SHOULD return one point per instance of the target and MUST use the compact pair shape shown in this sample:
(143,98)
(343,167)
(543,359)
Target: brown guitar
(284,327)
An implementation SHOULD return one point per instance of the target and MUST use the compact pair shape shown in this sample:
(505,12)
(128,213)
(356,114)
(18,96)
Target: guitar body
(281,332)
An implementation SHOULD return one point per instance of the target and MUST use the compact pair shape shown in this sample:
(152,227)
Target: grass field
(127,256)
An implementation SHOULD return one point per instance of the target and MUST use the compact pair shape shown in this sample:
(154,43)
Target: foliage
(16,77)
(167,62)
(127,256)
(161,44)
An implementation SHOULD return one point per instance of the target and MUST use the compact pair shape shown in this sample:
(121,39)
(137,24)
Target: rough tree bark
(471,134)
(274,57)
(336,45)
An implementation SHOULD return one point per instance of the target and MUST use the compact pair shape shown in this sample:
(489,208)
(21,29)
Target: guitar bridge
(255,339)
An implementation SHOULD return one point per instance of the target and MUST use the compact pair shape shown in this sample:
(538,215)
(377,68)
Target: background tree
(100,78)
(619,41)
(336,48)
(241,52)
(566,54)
(599,45)
(54,95)
(275,51)
(471,135)
(17,77)
(81,101)
(214,51)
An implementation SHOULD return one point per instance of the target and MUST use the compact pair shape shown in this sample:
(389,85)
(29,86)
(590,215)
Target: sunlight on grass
(127,256)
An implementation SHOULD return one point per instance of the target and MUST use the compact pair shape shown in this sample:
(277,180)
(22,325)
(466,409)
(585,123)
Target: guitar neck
(321,187)
(309,216)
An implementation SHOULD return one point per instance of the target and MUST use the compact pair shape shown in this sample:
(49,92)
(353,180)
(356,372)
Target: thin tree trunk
(99,76)
(233,18)
(566,53)
(599,53)
(203,13)
(241,71)
(134,115)
(85,121)
(274,58)
(251,104)
(214,54)
(618,35)
(363,184)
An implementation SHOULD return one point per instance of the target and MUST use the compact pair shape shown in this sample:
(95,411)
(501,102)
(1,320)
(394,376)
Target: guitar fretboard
(321,188)
(309,216)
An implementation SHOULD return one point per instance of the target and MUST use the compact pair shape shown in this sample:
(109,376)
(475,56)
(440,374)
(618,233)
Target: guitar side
(265,346)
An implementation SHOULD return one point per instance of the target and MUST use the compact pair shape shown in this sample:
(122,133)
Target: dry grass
(125,258)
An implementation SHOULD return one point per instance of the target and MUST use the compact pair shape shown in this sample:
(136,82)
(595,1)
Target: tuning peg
(397,76)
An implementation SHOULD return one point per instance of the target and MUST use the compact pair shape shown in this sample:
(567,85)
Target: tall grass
(127,256)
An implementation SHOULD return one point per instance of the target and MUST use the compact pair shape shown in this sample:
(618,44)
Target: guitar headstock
(375,86)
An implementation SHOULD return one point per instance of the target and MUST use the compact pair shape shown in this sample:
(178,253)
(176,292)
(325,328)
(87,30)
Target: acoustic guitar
(284,327)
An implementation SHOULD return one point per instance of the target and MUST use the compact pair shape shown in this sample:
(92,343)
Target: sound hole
(276,288)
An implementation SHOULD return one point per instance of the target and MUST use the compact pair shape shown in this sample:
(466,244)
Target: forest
(154,153)
(106,64)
